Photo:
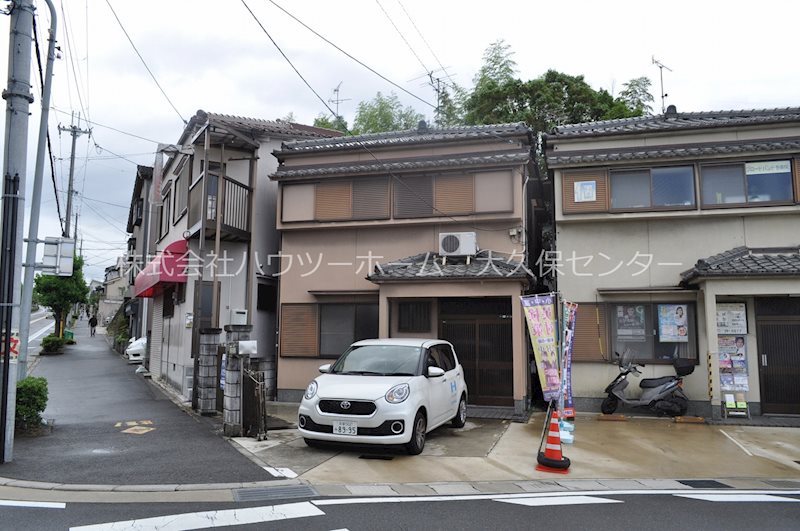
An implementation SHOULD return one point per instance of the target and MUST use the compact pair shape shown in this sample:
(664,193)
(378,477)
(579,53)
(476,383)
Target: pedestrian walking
(92,325)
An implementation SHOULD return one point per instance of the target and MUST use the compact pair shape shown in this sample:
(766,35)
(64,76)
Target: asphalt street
(114,427)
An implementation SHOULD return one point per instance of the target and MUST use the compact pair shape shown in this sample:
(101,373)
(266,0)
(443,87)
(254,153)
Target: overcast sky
(212,55)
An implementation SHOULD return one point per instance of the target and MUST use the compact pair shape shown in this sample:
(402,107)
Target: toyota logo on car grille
(345,405)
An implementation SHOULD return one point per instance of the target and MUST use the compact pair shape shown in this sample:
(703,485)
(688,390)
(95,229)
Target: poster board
(731,318)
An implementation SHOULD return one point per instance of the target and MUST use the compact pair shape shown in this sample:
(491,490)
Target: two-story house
(678,235)
(115,290)
(140,243)
(213,219)
(419,233)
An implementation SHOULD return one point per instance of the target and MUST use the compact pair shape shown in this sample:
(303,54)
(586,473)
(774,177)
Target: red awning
(169,266)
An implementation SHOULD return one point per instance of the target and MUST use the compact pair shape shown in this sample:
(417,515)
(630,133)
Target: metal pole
(201,244)
(18,99)
(36,201)
(8,249)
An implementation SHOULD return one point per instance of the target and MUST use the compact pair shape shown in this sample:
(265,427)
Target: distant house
(115,289)
(419,233)
(140,247)
(678,234)
(212,217)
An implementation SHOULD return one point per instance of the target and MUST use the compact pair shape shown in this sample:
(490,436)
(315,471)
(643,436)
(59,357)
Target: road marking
(41,332)
(559,500)
(39,319)
(208,519)
(737,443)
(280,472)
(40,505)
(737,497)
(138,430)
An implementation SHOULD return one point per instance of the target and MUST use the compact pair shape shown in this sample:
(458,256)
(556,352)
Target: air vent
(457,244)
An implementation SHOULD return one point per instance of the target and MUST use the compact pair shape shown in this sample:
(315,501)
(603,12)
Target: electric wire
(403,37)
(97,124)
(362,144)
(347,54)
(49,142)
(145,63)
(71,52)
(421,36)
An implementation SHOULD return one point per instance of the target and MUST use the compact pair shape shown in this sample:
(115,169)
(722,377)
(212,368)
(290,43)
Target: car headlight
(311,390)
(398,394)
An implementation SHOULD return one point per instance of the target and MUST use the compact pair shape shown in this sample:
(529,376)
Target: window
(443,357)
(164,213)
(181,197)
(168,309)
(653,332)
(413,196)
(343,324)
(747,183)
(667,187)
(267,298)
(139,212)
(414,316)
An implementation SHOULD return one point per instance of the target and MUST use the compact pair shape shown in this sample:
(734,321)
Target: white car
(385,391)
(136,349)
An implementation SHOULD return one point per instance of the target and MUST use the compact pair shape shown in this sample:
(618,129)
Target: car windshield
(379,360)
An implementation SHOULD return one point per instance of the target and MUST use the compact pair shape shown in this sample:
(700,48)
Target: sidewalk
(486,456)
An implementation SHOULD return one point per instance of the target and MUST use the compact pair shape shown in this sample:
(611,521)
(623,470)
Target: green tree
(498,65)
(451,106)
(329,122)
(384,113)
(636,96)
(60,294)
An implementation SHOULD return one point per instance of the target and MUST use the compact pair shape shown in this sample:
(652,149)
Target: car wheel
(609,405)
(461,414)
(417,442)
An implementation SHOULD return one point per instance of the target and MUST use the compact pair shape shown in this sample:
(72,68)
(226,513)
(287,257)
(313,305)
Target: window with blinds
(298,330)
(371,198)
(413,196)
(454,194)
(584,192)
(590,342)
(333,201)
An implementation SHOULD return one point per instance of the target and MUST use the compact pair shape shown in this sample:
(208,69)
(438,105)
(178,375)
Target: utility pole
(75,131)
(36,201)
(18,99)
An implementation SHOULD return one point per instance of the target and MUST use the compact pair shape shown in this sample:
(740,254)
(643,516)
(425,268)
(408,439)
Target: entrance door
(484,348)
(779,362)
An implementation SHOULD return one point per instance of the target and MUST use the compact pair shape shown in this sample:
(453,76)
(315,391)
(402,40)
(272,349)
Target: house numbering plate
(345,427)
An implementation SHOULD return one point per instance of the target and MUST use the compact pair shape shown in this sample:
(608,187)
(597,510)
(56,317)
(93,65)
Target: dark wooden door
(484,348)
(779,365)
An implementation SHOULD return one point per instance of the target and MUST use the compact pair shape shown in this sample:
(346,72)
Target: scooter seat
(649,383)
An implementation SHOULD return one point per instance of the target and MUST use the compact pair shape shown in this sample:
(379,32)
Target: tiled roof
(392,166)
(749,262)
(673,120)
(566,158)
(429,267)
(424,135)
(269,127)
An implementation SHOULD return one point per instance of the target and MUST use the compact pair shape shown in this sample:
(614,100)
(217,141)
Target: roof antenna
(661,66)
(336,100)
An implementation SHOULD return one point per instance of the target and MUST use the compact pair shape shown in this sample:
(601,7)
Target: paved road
(722,510)
(94,398)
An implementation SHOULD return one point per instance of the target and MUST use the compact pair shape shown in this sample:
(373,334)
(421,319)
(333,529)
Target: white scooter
(662,395)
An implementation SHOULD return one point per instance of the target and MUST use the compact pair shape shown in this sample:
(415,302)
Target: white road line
(41,332)
(559,500)
(40,505)
(209,519)
(737,497)
(469,497)
(737,443)
(287,472)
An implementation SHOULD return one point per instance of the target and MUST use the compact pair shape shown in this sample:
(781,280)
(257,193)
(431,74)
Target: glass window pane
(673,186)
(723,184)
(631,331)
(630,189)
(336,327)
(769,181)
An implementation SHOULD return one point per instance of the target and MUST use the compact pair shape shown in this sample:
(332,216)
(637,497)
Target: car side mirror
(435,372)
(325,368)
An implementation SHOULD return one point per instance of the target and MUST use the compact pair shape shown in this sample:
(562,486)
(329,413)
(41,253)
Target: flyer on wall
(541,319)
(733,363)
(672,327)
(631,323)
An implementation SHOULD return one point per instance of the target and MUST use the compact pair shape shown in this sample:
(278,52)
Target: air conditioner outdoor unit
(457,244)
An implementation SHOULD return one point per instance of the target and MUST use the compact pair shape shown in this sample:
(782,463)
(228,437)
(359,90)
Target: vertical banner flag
(569,315)
(541,318)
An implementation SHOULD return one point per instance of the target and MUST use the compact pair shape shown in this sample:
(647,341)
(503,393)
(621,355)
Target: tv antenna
(336,100)
(661,66)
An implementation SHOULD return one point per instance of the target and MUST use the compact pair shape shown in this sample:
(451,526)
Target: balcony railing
(233,205)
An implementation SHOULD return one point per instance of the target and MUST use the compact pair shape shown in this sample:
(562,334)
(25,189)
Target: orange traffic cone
(551,460)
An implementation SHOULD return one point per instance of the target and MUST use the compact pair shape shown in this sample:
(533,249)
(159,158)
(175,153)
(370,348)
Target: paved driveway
(114,427)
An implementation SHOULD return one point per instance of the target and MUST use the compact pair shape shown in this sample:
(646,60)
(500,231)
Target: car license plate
(345,427)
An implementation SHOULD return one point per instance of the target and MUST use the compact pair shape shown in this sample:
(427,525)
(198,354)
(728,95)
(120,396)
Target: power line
(425,68)
(71,53)
(345,53)
(421,36)
(363,145)
(127,207)
(102,216)
(144,63)
(94,123)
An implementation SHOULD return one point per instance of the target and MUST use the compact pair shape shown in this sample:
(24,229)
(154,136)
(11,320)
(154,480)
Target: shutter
(333,201)
(371,198)
(586,345)
(156,337)
(413,196)
(600,204)
(454,194)
(797,180)
(299,330)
